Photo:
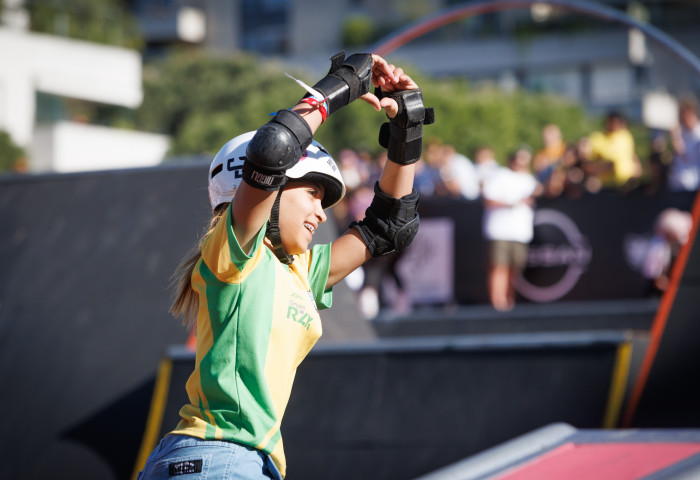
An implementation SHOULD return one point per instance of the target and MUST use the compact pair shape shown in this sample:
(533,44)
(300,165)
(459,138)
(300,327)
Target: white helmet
(226,171)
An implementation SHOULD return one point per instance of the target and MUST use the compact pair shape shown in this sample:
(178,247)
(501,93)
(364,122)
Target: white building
(35,65)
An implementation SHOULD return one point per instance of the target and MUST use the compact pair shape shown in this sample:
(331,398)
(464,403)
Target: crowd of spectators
(603,160)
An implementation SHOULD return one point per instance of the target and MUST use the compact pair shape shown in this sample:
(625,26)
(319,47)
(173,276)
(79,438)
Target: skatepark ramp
(563,452)
(395,409)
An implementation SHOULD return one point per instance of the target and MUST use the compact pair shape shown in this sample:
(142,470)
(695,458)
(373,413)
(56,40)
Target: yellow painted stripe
(618,385)
(155,415)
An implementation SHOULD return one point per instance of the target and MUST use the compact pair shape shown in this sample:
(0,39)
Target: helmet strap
(272,232)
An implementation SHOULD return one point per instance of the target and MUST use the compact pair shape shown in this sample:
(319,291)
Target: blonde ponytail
(185,299)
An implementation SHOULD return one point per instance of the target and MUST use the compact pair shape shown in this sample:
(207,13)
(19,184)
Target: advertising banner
(590,248)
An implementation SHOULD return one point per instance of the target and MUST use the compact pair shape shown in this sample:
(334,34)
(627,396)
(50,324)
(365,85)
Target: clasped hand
(390,79)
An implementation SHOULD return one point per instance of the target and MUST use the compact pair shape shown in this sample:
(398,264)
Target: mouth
(311,228)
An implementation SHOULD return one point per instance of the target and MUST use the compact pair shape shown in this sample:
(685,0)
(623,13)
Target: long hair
(185,300)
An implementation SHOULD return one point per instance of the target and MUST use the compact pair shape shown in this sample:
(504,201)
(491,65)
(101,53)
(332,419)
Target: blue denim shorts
(189,458)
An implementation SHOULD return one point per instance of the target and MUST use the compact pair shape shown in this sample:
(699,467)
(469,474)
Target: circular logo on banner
(557,257)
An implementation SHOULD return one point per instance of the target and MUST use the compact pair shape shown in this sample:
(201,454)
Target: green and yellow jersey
(257,320)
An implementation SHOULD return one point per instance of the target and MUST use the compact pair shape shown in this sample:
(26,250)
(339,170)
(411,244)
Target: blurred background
(124,71)
(111,110)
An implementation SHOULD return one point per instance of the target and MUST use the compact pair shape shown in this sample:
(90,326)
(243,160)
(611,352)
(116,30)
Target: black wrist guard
(276,146)
(403,134)
(390,224)
(348,79)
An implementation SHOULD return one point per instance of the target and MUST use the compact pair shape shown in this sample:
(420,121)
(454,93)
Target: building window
(265,25)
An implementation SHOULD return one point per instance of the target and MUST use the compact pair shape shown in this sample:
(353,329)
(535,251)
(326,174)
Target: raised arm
(391,221)
(279,144)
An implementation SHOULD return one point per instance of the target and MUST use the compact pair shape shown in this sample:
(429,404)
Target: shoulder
(626,134)
(596,138)
(313,255)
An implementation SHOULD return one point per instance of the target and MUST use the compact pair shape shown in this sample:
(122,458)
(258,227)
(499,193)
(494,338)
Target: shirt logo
(297,310)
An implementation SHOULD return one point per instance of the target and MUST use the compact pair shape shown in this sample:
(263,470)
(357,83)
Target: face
(688,117)
(521,161)
(614,123)
(551,134)
(300,215)
(483,155)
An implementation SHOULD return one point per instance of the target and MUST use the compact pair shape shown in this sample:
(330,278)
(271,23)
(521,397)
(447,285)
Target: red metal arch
(470,9)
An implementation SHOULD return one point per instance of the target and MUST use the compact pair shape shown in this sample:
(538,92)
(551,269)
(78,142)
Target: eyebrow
(307,183)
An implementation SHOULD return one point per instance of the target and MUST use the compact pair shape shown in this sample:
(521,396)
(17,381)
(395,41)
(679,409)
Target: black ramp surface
(83,317)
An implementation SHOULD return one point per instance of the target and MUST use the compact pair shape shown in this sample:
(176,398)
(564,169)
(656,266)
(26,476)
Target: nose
(320,213)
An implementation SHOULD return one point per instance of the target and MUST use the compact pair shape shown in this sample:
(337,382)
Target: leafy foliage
(100,21)
(203,101)
(358,31)
(469,118)
(12,157)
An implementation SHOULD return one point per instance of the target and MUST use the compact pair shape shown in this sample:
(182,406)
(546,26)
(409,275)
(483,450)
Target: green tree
(100,21)
(12,157)
(358,31)
(466,118)
(203,101)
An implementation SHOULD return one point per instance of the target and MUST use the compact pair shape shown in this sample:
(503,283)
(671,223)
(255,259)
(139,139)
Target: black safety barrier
(584,248)
(629,314)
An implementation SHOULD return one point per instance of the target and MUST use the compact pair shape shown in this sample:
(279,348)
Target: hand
(383,74)
(404,83)
(390,79)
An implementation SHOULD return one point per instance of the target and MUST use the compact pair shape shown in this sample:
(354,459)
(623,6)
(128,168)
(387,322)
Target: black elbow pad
(276,146)
(390,224)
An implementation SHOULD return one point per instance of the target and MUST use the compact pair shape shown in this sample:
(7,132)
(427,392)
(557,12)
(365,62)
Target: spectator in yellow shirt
(612,153)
